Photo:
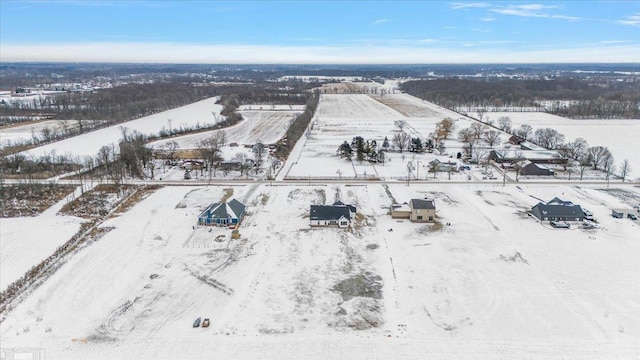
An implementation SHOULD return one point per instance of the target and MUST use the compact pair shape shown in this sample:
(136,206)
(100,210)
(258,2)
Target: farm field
(9,135)
(267,126)
(25,241)
(620,135)
(198,113)
(494,282)
(341,117)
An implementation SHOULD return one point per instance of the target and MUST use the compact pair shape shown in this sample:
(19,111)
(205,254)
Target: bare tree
(504,123)
(209,149)
(524,131)
(625,168)
(170,148)
(492,137)
(598,155)
(479,154)
(401,124)
(478,129)
(401,140)
(549,138)
(258,152)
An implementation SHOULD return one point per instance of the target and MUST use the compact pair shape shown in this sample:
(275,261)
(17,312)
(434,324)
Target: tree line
(604,98)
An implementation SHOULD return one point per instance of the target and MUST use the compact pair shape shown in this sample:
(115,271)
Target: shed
(531,168)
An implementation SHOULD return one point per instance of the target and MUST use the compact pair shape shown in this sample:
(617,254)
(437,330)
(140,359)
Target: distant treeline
(603,98)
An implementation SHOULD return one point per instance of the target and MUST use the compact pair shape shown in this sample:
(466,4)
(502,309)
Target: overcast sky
(320,31)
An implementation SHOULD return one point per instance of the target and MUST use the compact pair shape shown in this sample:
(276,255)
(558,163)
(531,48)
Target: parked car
(632,217)
(205,322)
(197,322)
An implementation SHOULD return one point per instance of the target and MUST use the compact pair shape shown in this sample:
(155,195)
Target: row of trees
(576,97)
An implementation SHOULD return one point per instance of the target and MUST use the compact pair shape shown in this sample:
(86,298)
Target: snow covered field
(620,136)
(493,284)
(202,112)
(25,241)
(267,126)
(341,117)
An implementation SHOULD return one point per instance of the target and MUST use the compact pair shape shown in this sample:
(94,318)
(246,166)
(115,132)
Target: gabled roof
(231,209)
(560,208)
(423,204)
(329,212)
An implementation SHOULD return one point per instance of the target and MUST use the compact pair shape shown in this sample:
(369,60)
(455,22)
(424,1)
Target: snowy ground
(493,284)
(341,117)
(620,136)
(10,135)
(202,112)
(267,126)
(25,241)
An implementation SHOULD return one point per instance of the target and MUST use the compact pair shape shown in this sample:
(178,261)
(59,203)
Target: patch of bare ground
(361,308)
(30,199)
(98,202)
(430,228)
(514,258)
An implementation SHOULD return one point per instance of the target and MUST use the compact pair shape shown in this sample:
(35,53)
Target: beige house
(417,210)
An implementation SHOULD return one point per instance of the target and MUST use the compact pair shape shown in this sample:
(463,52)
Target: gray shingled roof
(557,208)
(232,209)
(423,204)
(329,212)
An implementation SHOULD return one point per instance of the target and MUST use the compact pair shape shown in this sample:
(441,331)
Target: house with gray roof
(336,215)
(422,210)
(558,210)
(222,214)
(530,168)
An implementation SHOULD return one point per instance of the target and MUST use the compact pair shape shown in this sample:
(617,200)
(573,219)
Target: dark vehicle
(205,322)
(632,217)
(197,322)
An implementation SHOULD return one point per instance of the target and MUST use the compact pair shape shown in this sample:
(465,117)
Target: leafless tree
(170,148)
(478,129)
(492,137)
(625,168)
(401,140)
(209,150)
(524,131)
(479,154)
(504,123)
(401,124)
(598,155)
(258,152)
(445,127)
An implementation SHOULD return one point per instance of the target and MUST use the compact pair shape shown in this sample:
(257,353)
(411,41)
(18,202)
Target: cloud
(488,19)
(380,22)
(632,20)
(528,10)
(355,54)
(462,5)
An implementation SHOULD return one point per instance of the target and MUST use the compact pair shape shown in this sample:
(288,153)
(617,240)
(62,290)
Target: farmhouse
(222,214)
(535,169)
(558,210)
(417,210)
(338,214)
(443,166)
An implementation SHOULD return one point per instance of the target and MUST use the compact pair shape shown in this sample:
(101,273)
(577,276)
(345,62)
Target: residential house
(422,210)
(534,156)
(442,166)
(338,214)
(558,210)
(222,214)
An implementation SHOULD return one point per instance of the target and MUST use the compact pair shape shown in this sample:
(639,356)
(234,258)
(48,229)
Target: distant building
(336,215)
(558,210)
(222,214)
(535,169)
(534,156)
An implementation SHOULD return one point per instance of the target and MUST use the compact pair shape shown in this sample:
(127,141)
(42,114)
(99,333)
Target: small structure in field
(417,210)
(558,210)
(336,215)
(531,168)
(222,214)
